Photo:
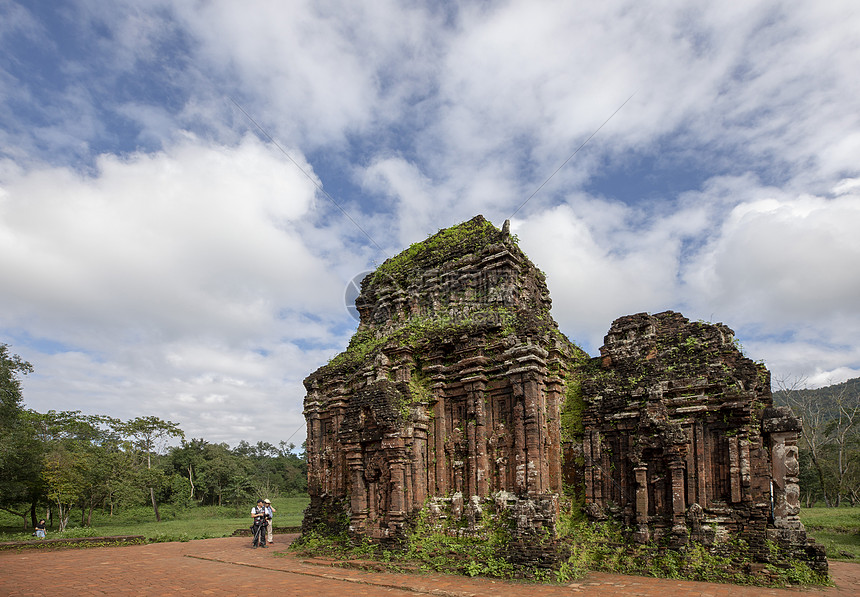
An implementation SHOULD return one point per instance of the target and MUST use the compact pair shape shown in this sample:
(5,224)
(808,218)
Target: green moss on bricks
(419,387)
(571,413)
(362,344)
(446,245)
(492,322)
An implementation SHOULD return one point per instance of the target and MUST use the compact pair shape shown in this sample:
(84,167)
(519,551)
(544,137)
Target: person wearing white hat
(270,512)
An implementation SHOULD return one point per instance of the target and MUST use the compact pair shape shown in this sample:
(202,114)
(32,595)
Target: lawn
(837,529)
(176,524)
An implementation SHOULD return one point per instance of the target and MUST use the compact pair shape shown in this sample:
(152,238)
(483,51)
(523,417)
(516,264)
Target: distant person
(260,522)
(40,529)
(270,512)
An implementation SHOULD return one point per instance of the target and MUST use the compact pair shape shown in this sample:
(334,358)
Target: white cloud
(318,71)
(183,273)
(785,259)
(592,283)
(189,275)
(190,236)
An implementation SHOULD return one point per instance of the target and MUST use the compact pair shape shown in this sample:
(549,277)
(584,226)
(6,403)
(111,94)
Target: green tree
(88,448)
(843,436)
(148,435)
(185,460)
(63,473)
(814,415)
(221,472)
(830,440)
(20,454)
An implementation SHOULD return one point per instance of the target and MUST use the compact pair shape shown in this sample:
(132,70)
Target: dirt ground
(231,567)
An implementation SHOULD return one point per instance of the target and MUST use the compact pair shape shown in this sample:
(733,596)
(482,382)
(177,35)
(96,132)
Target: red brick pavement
(231,567)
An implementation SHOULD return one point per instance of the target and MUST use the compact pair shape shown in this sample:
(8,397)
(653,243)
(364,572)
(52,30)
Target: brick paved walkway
(230,567)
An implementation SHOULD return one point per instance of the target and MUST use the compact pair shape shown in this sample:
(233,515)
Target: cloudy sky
(187,187)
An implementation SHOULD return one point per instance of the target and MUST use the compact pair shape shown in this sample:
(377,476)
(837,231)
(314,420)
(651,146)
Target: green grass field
(837,529)
(176,525)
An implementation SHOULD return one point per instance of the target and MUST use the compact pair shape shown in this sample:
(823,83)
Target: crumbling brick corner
(780,430)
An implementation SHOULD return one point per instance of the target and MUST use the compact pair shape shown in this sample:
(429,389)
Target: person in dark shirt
(40,529)
(261,521)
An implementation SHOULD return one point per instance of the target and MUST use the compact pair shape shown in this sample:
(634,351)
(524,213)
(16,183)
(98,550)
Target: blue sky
(160,255)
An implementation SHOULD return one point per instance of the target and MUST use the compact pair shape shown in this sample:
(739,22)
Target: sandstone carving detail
(458,390)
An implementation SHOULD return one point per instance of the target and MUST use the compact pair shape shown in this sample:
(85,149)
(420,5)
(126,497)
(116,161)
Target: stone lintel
(528,369)
(692,409)
(624,415)
(476,361)
(736,405)
(503,255)
(780,419)
(475,379)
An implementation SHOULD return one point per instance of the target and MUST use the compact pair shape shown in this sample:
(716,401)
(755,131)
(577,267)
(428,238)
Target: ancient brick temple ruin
(681,440)
(458,394)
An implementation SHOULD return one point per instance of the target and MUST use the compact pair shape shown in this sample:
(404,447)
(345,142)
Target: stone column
(780,429)
(419,465)
(475,387)
(690,463)
(679,502)
(439,434)
(358,504)
(397,499)
(314,448)
(533,403)
(643,534)
(744,447)
(554,388)
(701,464)
(519,450)
(593,477)
(734,470)
(786,488)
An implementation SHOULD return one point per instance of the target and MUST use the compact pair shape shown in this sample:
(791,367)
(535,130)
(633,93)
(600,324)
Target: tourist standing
(270,513)
(258,512)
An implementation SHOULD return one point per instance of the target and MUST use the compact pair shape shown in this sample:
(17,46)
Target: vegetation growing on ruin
(446,245)
(571,412)
(419,387)
(445,545)
(603,546)
(493,322)
(430,546)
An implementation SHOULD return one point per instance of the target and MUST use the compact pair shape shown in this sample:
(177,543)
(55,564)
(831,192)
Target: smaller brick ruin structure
(458,394)
(682,441)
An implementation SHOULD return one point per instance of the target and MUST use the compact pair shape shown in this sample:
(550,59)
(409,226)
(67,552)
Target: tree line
(66,461)
(829,444)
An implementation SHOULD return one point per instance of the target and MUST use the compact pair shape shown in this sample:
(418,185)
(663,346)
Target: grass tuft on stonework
(444,546)
(603,547)
(430,546)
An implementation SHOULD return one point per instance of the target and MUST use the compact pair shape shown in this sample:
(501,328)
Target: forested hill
(826,398)
(830,440)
